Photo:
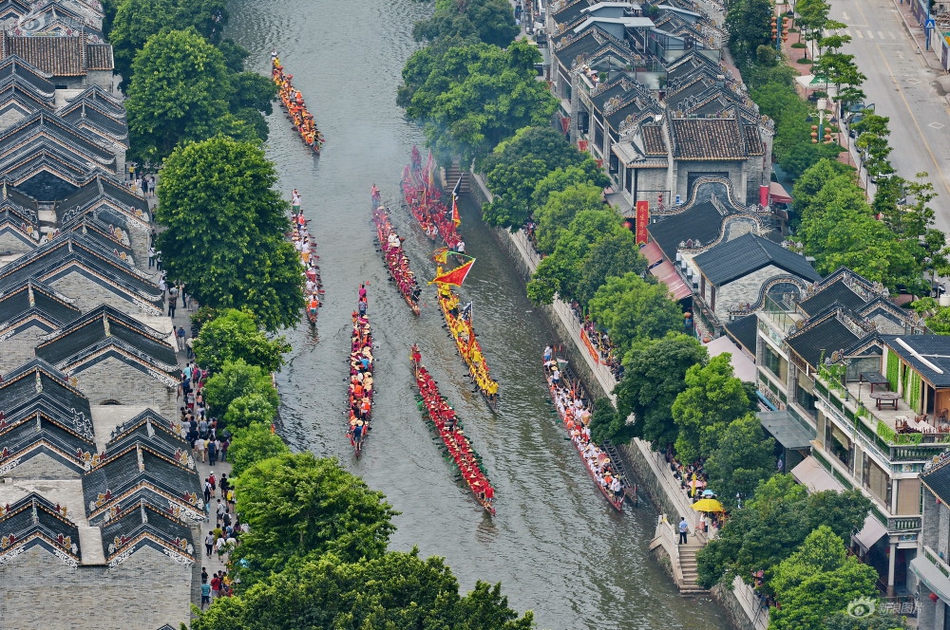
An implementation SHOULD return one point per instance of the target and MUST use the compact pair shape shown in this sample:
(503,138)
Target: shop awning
(778,193)
(743,367)
(813,475)
(666,273)
(931,576)
(788,431)
(872,532)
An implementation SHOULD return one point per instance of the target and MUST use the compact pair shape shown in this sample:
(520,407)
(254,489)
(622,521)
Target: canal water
(556,545)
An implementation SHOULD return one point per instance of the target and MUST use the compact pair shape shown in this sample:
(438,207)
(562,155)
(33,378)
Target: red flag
(456,219)
(456,276)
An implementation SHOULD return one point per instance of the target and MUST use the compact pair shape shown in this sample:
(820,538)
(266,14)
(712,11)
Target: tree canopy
(817,581)
(237,380)
(633,310)
(712,400)
(225,231)
(470,98)
(654,375)
(553,218)
(771,525)
(179,92)
(523,170)
(252,444)
(487,21)
(298,505)
(234,334)
(394,590)
(742,459)
(747,22)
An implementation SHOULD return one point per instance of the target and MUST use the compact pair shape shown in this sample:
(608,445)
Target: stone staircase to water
(452,174)
(689,584)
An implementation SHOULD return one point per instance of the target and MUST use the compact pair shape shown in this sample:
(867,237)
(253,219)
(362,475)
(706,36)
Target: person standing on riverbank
(684,530)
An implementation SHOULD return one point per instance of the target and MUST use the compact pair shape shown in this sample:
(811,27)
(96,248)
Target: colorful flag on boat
(456,276)
(430,172)
(456,219)
(441,255)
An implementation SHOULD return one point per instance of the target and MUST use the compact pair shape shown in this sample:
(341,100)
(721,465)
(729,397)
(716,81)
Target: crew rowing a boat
(397,262)
(305,244)
(361,376)
(293,102)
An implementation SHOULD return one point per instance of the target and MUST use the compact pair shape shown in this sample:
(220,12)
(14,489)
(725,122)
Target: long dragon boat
(305,244)
(425,202)
(458,321)
(446,424)
(397,262)
(574,409)
(360,407)
(293,103)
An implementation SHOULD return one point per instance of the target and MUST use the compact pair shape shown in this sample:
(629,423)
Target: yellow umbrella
(708,505)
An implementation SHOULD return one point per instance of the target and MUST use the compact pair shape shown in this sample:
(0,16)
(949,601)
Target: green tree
(554,217)
(587,172)
(612,256)
(254,408)
(743,459)
(877,621)
(237,379)
(297,505)
(252,444)
(632,310)
(487,21)
(712,400)
(812,18)
(225,231)
(772,525)
(179,92)
(654,372)
(234,334)
(561,272)
(395,590)
(817,581)
(872,133)
(474,97)
(527,167)
(748,25)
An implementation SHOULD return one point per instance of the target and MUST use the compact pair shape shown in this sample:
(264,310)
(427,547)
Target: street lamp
(818,132)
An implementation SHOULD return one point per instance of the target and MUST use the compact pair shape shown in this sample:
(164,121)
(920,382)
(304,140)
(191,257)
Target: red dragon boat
(360,408)
(397,262)
(443,420)
(305,244)
(573,407)
(425,202)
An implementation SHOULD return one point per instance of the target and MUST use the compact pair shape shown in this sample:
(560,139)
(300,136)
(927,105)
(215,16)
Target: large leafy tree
(653,376)
(395,590)
(252,444)
(612,256)
(818,580)
(135,21)
(523,171)
(633,309)
(488,21)
(772,525)
(225,231)
(561,272)
(471,98)
(237,380)
(743,459)
(179,92)
(234,334)
(552,219)
(712,400)
(298,505)
(747,22)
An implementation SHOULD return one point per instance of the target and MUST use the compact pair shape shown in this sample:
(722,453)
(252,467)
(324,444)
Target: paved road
(902,85)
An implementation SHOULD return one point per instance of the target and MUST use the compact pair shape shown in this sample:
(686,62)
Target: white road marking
(844,14)
(870,34)
(859,34)
(891,33)
(880,34)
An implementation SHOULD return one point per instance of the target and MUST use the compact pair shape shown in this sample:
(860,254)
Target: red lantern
(933,597)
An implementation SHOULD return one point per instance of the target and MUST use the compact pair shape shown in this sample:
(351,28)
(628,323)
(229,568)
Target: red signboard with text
(643,220)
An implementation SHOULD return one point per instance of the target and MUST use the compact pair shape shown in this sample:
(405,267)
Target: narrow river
(556,545)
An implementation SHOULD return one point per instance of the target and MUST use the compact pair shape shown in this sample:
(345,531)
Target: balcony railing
(903,524)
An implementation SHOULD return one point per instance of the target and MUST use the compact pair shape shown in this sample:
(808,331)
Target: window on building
(805,399)
(876,481)
(772,360)
(908,496)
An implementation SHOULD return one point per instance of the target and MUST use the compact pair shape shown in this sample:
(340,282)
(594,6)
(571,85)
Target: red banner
(643,220)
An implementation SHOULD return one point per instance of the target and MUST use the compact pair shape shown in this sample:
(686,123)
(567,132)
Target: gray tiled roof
(743,332)
(927,354)
(741,256)
(16,301)
(700,223)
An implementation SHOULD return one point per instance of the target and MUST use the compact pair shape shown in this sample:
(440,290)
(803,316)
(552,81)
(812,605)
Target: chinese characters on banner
(643,220)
